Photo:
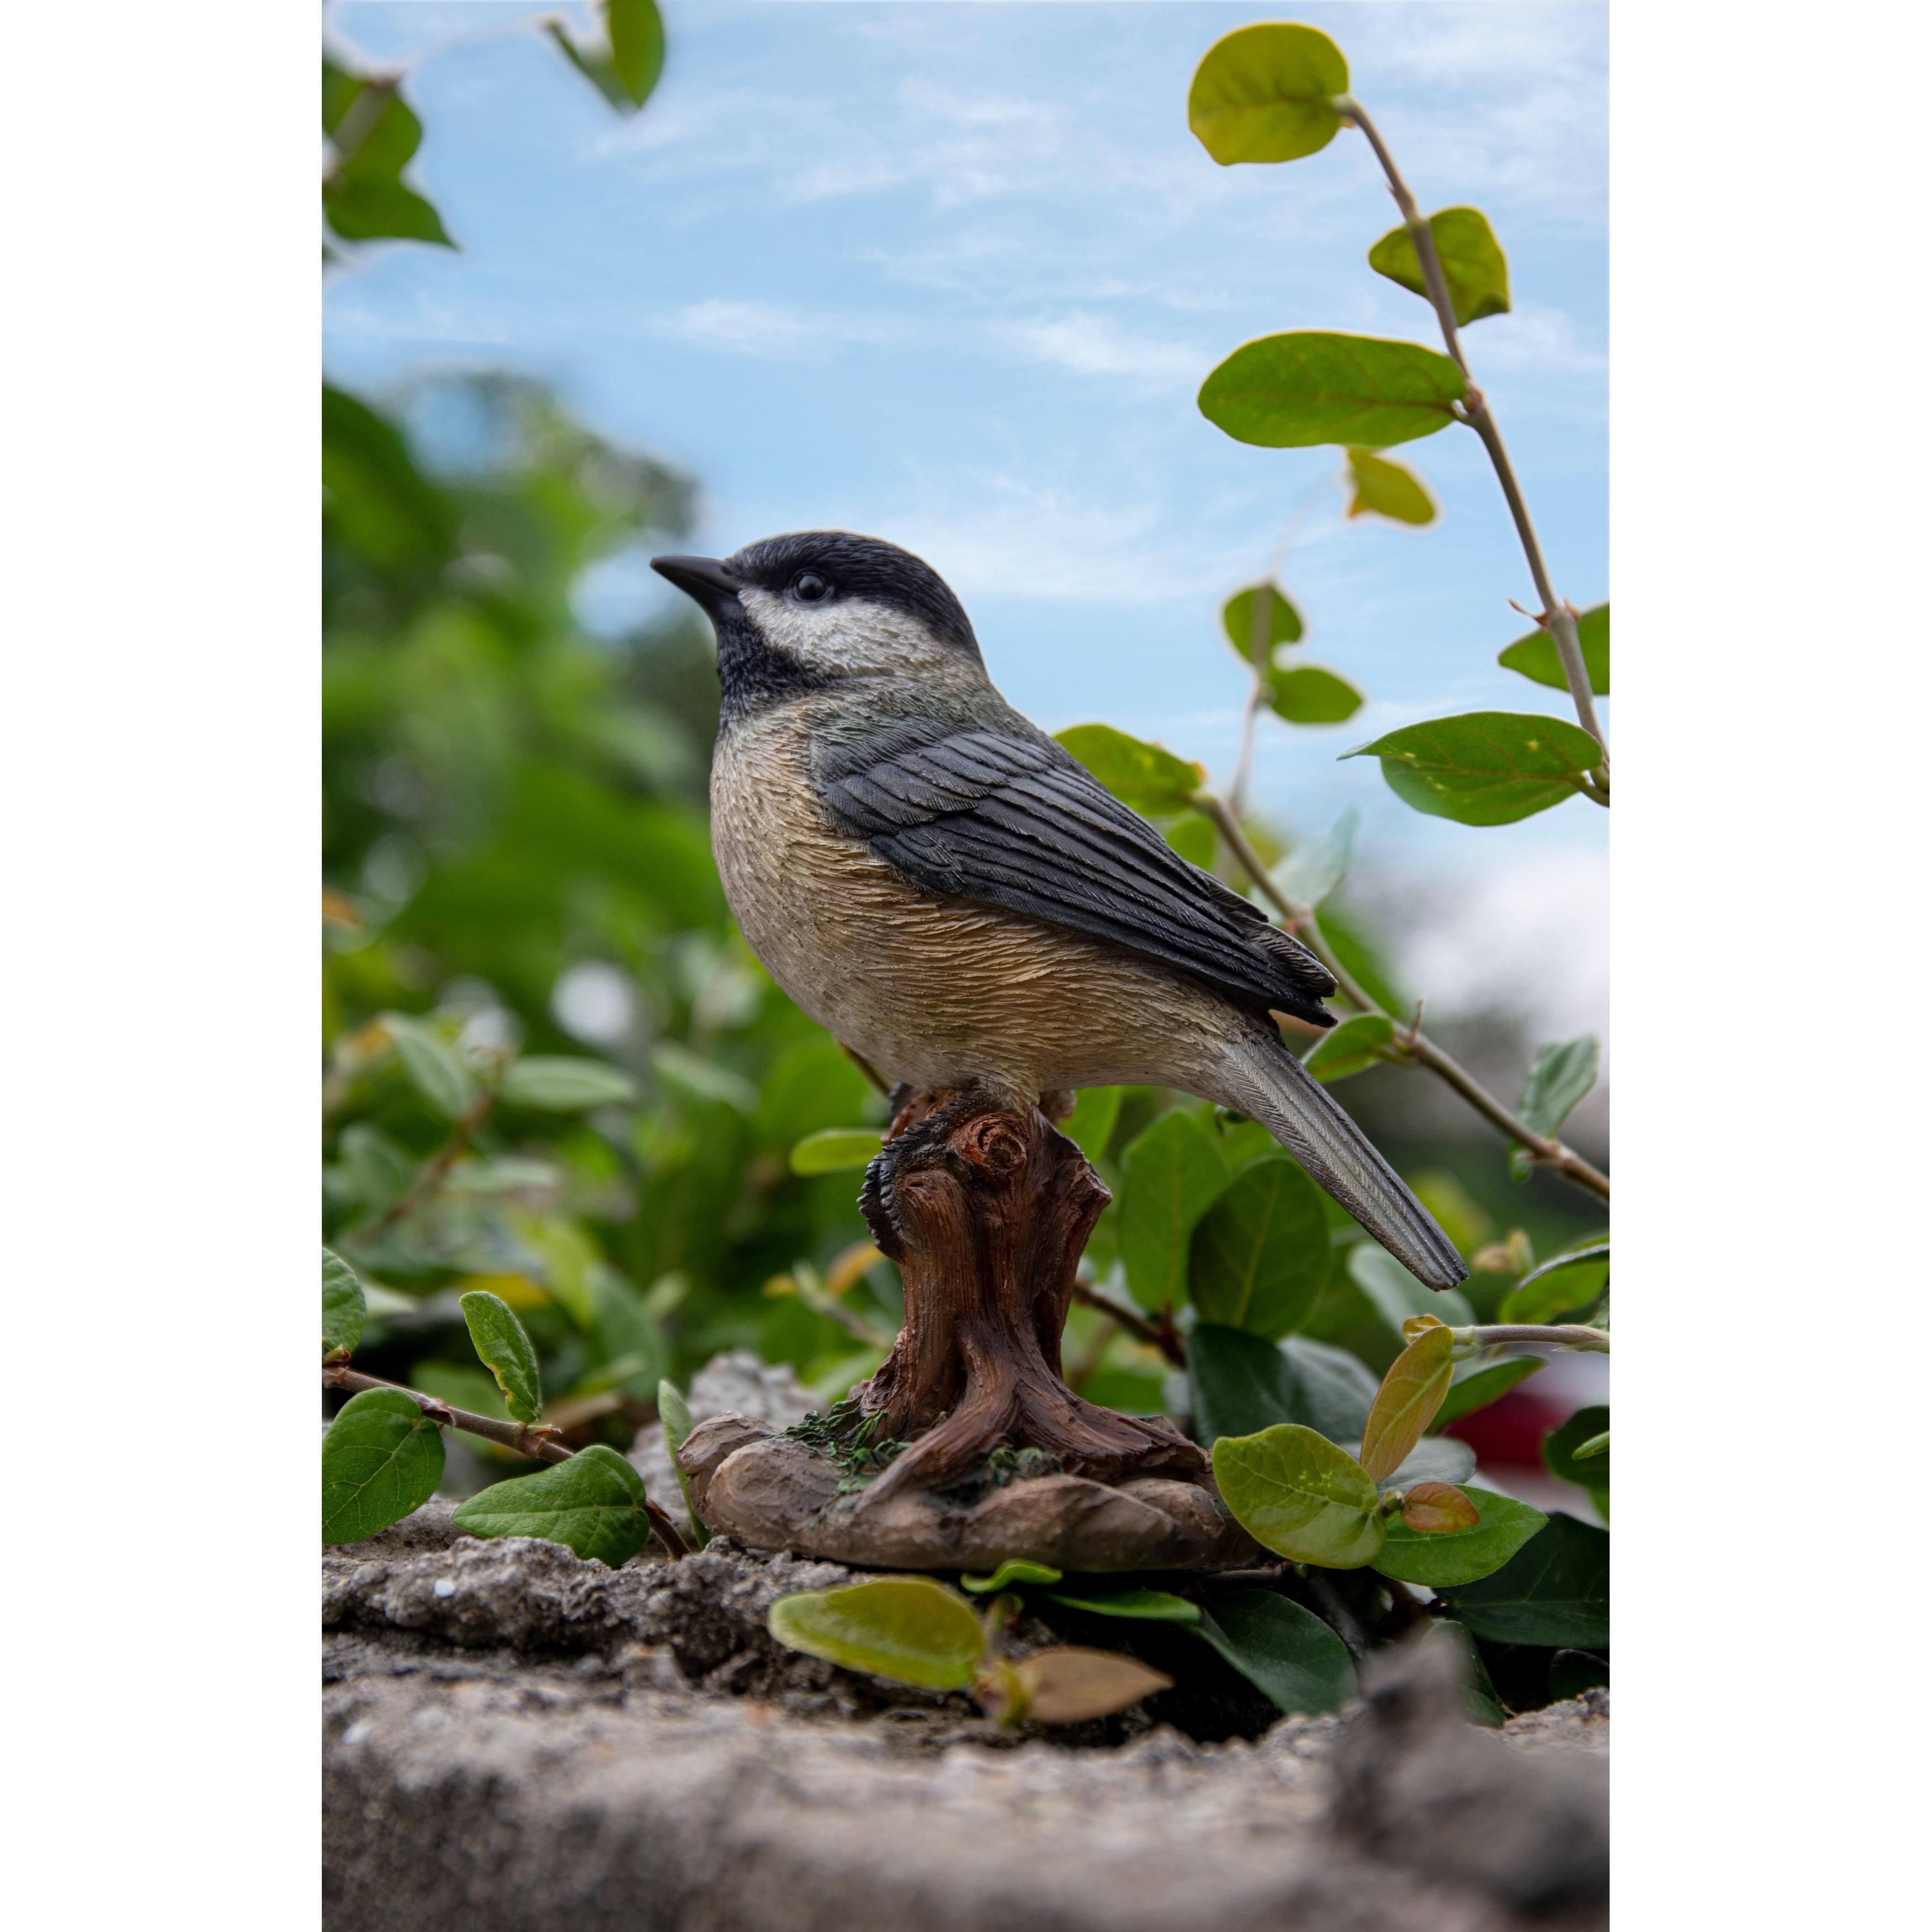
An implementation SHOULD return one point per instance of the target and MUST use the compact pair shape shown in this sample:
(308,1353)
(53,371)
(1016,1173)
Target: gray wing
(1006,816)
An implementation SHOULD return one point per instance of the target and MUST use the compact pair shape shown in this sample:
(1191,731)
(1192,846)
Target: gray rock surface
(519,1739)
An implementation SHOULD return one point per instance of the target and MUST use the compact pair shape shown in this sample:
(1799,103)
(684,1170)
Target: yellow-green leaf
(1015,1569)
(835,1150)
(1353,1047)
(908,1628)
(1307,694)
(1266,93)
(1405,1404)
(1310,386)
(1535,655)
(1388,489)
(1259,618)
(505,1350)
(1473,264)
(1149,777)
(1297,1493)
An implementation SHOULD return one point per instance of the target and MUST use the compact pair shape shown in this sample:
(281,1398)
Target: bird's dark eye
(811,588)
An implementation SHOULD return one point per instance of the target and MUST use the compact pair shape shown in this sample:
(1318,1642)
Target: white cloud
(768,329)
(1097,346)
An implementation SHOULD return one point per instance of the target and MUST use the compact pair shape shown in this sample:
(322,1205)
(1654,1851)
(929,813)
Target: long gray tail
(1264,1081)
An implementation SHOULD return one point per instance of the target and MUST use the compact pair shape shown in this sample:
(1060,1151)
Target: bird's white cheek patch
(844,638)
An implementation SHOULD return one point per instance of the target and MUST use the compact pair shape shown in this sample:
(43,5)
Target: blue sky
(952,273)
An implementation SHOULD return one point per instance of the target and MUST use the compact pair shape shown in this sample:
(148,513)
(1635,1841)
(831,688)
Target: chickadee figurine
(954,896)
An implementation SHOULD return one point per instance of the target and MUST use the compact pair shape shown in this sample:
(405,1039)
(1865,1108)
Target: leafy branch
(1408,1043)
(1558,616)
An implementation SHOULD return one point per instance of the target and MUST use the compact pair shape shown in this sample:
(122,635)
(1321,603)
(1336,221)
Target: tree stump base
(967,1448)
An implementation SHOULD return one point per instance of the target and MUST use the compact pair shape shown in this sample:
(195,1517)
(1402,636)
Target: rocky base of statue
(967,1448)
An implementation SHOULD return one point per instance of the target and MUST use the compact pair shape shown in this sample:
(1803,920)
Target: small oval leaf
(1259,1257)
(344,1307)
(1435,1509)
(1070,1686)
(1310,386)
(1266,93)
(1386,489)
(1307,694)
(908,1628)
(1473,263)
(564,1084)
(1535,656)
(1259,618)
(1148,777)
(440,1073)
(1446,1559)
(1353,1047)
(1485,767)
(1405,1404)
(505,1350)
(1284,1651)
(593,1504)
(381,1459)
(1297,1493)
(1175,1172)
(835,1150)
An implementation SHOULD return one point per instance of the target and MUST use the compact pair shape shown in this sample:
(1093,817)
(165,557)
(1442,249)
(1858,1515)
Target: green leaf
(1555,1590)
(381,1459)
(1472,261)
(1563,1283)
(1443,1559)
(1386,489)
(1266,93)
(365,209)
(1307,694)
(1562,1073)
(594,1505)
(505,1350)
(697,1078)
(908,1628)
(636,46)
(1175,1171)
(1486,767)
(1476,1387)
(1405,1404)
(674,1413)
(378,1171)
(1396,1294)
(836,1150)
(1353,1047)
(344,1308)
(1015,1569)
(1317,866)
(1286,1652)
(1090,1125)
(1595,1446)
(562,1083)
(1535,656)
(1240,1384)
(1260,1255)
(1310,386)
(1148,777)
(1587,1472)
(1159,1606)
(1191,835)
(1258,619)
(1296,1493)
(440,1073)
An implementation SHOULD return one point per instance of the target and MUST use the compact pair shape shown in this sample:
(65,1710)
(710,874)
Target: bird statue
(955,897)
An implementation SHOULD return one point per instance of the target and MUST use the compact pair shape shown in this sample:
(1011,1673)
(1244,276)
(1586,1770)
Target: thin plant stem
(538,1441)
(1558,617)
(1411,1044)
(1557,1335)
(436,1170)
(1152,1334)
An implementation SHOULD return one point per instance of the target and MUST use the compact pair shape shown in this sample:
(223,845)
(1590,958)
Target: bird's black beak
(702,579)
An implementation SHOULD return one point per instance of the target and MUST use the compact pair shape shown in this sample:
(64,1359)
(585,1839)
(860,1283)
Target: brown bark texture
(986,1213)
